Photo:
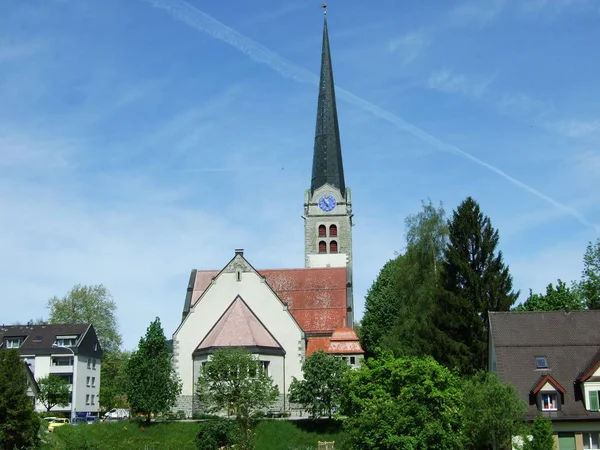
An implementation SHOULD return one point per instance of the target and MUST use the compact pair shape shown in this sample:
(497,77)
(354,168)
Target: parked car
(49,419)
(92,419)
(116,413)
(57,422)
(78,421)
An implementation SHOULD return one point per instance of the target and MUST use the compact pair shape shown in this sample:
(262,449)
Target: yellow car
(57,423)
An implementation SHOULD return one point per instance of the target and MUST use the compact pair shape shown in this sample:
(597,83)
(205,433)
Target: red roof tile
(344,340)
(316,297)
(316,344)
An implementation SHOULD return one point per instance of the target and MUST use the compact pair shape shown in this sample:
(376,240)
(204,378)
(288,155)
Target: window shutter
(593,400)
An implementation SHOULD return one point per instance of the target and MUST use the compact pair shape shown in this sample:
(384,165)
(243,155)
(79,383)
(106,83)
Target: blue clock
(327,202)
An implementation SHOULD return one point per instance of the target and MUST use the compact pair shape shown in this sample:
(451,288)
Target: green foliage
(475,281)
(542,433)
(493,412)
(152,385)
(380,306)
(112,389)
(321,390)
(556,299)
(408,403)
(18,423)
(217,433)
(54,391)
(234,381)
(400,305)
(590,278)
(90,305)
(270,435)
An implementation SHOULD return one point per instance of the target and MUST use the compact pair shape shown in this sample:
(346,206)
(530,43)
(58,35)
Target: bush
(217,433)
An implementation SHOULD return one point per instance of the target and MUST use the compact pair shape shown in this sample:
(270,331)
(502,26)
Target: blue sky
(140,139)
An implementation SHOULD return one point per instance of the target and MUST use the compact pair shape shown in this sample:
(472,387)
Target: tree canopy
(409,403)
(54,391)
(112,389)
(590,278)
(555,299)
(152,385)
(91,305)
(322,389)
(235,381)
(475,280)
(18,423)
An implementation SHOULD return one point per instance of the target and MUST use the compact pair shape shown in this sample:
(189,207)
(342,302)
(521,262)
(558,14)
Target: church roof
(327,156)
(316,297)
(239,327)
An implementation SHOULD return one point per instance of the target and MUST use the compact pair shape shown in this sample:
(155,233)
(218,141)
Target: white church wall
(261,300)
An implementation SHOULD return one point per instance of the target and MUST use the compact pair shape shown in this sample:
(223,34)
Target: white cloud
(410,46)
(447,81)
(576,128)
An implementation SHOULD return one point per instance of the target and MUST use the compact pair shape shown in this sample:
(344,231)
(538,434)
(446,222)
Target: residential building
(32,387)
(282,315)
(553,360)
(69,351)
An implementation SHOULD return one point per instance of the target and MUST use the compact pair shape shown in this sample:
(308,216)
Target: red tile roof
(316,344)
(344,340)
(238,327)
(316,297)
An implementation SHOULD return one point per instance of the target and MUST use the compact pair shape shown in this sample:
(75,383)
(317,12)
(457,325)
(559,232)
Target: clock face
(327,202)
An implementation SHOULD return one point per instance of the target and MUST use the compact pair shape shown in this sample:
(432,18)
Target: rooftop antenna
(324,6)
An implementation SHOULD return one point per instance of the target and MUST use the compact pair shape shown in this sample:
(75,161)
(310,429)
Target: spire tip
(324,6)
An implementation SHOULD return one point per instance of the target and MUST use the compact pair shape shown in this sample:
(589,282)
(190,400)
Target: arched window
(322,247)
(322,231)
(332,231)
(333,247)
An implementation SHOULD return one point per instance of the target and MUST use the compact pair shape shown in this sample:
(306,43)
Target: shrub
(217,433)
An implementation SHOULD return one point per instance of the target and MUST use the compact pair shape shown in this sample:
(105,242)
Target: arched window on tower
(333,247)
(322,247)
(332,231)
(322,231)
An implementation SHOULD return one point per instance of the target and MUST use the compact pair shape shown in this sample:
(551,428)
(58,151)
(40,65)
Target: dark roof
(39,338)
(568,341)
(327,157)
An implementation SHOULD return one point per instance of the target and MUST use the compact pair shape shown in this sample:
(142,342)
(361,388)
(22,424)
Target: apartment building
(70,351)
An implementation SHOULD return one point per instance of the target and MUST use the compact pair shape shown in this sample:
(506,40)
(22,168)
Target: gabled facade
(553,359)
(70,351)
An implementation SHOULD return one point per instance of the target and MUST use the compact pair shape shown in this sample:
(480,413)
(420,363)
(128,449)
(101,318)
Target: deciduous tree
(54,391)
(152,386)
(542,433)
(322,389)
(408,403)
(555,299)
(18,423)
(112,389)
(590,279)
(90,305)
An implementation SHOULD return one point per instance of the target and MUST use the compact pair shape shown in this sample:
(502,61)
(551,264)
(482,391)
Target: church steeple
(327,156)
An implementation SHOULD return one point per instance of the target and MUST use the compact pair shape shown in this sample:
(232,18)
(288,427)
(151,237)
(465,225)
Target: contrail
(194,17)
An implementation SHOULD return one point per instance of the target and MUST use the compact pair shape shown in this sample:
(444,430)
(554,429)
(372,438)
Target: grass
(270,435)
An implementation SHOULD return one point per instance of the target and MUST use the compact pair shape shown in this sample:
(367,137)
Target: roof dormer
(548,394)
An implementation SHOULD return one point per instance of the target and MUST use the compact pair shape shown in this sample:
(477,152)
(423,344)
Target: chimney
(239,251)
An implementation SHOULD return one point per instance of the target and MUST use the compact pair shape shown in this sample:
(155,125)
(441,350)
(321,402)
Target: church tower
(328,204)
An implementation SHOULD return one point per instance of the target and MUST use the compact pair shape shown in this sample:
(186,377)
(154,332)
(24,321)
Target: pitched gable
(545,382)
(239,327)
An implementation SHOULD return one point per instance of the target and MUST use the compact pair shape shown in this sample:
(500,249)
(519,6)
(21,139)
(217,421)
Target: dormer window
(66,341)
(549,401)
(13,342)
(541,362)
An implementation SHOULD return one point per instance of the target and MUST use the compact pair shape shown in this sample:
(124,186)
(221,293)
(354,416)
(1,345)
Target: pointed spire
(327,157)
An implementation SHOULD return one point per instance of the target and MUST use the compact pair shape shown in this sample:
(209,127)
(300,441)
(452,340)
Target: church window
(322,247)
(332,231)
(333,247)
(322,231)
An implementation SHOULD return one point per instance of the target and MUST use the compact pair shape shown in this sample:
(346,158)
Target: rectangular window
(93,396)
(65,342)
(593,401)
(93,381)
(590,441)
(62,361)
(352,360)
(89,363)
(541,363)
(94,364)
(12,343)
(265,367)
(549,402)
(87,399)
(68,377)
(87,381)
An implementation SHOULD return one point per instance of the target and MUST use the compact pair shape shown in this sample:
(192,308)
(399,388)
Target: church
(282,315)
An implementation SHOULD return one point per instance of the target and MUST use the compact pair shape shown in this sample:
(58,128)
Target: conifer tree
(18,423)
(475,280)
(152,384)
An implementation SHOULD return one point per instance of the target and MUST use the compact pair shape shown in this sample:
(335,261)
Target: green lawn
(270,435)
